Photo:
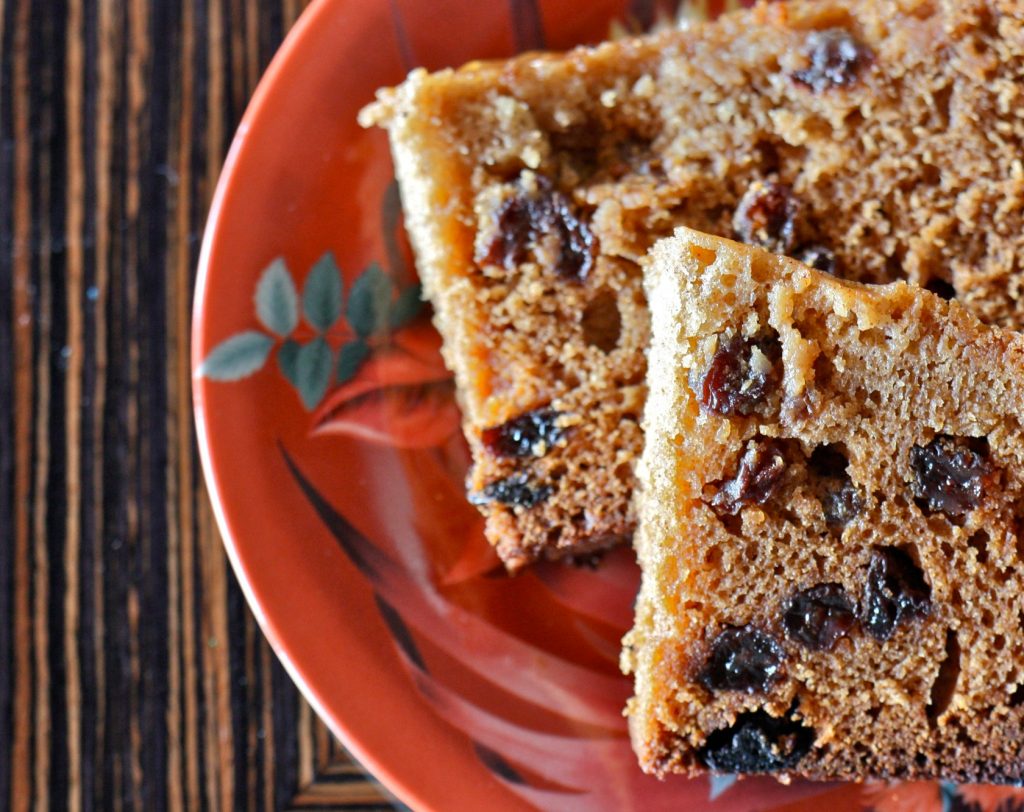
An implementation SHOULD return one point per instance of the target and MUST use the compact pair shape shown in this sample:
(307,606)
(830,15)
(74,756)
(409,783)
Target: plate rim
(291,45)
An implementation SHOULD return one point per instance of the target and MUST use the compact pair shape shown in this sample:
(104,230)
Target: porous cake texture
(879,139)
(830,527)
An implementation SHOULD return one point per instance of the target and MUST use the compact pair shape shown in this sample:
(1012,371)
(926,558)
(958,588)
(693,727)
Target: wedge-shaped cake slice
(830,526)
(881,139)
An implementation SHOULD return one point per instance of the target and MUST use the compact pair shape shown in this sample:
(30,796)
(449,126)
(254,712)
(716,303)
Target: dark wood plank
(132,675)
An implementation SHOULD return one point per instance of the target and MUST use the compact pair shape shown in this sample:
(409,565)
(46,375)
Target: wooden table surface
(132,674)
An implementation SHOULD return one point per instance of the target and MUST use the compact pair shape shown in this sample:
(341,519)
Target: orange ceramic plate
(330,440)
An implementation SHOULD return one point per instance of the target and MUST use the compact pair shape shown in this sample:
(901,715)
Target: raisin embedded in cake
(874,139)
(830,535)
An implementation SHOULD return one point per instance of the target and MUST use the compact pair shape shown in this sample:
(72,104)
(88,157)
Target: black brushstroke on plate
(527,25)
(405,51)
(642,12)
(401,633)
(497,765)
(370,561)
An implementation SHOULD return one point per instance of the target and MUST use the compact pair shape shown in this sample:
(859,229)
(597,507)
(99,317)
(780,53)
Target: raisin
(532,221)
(836,60)
(841,501)
(758,479)
(738,379)
(950,474)
(757,743)
(818,257)
(895,593)
(515,230)
(742,659)
(842,505)
(518,490)
(532,433)
(575,241)
(766,216)
(818,617)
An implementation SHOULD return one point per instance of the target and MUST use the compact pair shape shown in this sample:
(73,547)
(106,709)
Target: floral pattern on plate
(328,428)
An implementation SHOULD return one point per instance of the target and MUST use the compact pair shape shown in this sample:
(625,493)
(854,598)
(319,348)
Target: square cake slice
(877,138)
(830,526)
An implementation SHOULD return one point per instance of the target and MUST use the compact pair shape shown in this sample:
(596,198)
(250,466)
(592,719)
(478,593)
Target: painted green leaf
(406,306)
(948,795)
(313,364)
(287,360)
(350,358)
(277,303)
(369,301)
(321,295)
(719,785)
(237,357)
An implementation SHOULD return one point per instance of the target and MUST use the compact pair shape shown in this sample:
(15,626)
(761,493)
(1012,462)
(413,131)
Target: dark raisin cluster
(757,743)
(530,434)
(743,659)
(749,660)
(517,490)
(836,59)
(760,476)
(950,474)
(734,384)
(895,589)
(526,219)
(895,593)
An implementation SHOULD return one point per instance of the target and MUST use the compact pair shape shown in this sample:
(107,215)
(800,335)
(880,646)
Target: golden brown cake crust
(881,137)
(832,555)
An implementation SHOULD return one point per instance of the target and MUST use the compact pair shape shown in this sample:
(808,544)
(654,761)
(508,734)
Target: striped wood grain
(132,675)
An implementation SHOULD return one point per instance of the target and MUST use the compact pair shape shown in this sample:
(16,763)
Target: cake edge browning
(435,182)
(652,742)
(443,255)
(440,257)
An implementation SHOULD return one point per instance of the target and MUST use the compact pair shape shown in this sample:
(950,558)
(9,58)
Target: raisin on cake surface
(830,533)
(878,140)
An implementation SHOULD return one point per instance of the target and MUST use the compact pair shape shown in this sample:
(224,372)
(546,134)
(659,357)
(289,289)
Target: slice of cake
(879,139)
(830,526)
